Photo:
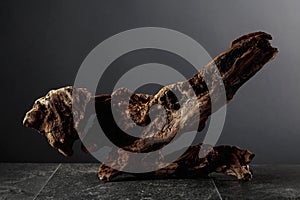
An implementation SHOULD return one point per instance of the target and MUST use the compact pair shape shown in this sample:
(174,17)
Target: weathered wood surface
(52,115)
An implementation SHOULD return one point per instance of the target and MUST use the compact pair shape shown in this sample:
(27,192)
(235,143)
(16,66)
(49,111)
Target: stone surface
(79,181)
(23,181)
(269,182)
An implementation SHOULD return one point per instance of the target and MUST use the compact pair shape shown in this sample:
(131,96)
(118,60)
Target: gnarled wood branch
(52,115)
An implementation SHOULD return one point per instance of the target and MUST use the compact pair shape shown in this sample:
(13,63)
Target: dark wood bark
(51,115)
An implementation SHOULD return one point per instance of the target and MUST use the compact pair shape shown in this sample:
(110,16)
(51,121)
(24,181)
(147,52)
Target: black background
(43,43)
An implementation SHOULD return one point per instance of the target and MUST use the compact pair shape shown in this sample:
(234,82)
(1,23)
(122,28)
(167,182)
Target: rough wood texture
(227,159)
(51,115)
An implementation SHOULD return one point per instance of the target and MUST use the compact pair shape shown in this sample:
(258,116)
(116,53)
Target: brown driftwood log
(52,116)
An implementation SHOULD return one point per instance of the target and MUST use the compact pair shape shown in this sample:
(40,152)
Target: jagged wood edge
(247,56)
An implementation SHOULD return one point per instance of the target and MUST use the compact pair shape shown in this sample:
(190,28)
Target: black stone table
(79,181)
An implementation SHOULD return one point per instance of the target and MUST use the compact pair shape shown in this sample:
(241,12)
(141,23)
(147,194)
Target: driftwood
(52,116)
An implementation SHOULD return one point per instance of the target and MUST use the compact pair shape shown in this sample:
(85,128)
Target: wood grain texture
(52,115)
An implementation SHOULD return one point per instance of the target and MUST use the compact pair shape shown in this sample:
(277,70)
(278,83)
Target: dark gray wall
(44,42)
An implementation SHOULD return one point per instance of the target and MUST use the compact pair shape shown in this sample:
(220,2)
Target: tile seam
(50,177)
(217,189)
